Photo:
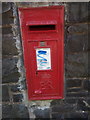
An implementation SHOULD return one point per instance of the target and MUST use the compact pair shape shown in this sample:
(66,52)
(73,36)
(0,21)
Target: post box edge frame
(49,7)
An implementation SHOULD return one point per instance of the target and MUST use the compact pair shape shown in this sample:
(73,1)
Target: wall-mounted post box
(42,31)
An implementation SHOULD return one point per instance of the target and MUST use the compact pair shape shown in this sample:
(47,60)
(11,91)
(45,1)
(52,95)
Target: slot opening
(42,27)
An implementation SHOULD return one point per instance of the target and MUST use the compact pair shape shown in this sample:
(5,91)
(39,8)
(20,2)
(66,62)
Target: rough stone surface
(78,94)
(42,113)
(57,116)
(77,64)
(9,43)
(13,78)
(64,107)
(24,85)
(6,111)
(6,6)
(83,105)
(77,42)
(78,28)
(76,116)
(9,18)
(17,98)
(88,100)
(10,71)
(71,100)
(76,89)
(66,111)
(6,29)
(14,111)
(5,93)
(86,85)
(78,12)
(15,88)
(73,83)
(11,93)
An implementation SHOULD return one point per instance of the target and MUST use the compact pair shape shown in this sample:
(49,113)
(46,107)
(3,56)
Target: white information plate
(43,57)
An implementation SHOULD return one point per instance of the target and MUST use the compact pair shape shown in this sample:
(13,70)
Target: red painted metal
(43,27)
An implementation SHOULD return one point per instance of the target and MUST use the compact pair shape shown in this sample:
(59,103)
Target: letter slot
(41,27)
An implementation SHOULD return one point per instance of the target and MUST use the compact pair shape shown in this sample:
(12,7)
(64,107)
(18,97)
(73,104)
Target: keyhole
(36,72)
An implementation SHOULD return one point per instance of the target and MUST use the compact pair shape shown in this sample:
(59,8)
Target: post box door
(45,81)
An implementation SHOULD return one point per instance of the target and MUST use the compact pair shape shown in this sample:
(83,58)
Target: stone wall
(76,103)
(12,90)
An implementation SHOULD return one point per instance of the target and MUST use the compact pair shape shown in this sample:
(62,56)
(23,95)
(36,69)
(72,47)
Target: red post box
(43,42)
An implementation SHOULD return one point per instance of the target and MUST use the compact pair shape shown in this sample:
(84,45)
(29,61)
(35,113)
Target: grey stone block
(6,111)
(7,30)
(70,100)
(73,83)
(86,85)
(77,94)
(9,65)
(78,28)
(42,114)
(13,78)
(6,6)
(14,88)
(88,101)
(17,98)
(77,65)
(57,116)
(7,18)
(76,89)
(15,111)
(57,102)
(78,12)
(77,43)
(62,108)
(8,45)
(5,93)
(82,106)
(10,70)
(76,115)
